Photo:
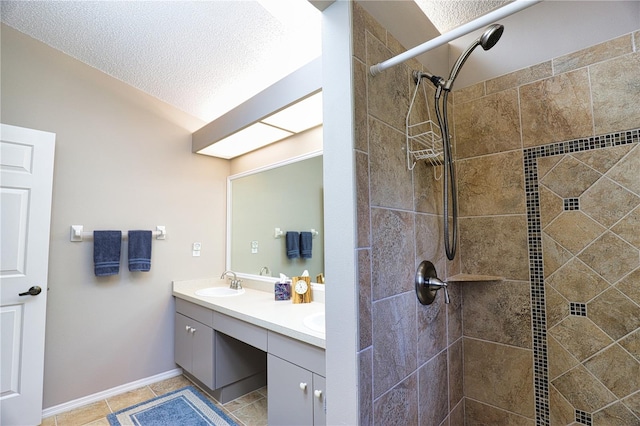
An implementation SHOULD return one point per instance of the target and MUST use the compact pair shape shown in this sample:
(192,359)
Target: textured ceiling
(203,57)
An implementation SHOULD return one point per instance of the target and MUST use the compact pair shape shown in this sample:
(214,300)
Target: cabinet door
(319,401)
(182,348)
(290,393)
(202,358)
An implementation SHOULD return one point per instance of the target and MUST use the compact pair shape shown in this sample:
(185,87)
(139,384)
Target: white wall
(123,161)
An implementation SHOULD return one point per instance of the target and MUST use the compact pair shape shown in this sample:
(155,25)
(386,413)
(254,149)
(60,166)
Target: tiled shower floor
(248,410)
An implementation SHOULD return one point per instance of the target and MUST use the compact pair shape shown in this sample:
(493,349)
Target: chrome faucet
(266,270)
(235,284)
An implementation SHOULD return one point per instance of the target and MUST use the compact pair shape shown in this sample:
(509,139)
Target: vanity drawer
(196,312)
(302,354)
(243,331)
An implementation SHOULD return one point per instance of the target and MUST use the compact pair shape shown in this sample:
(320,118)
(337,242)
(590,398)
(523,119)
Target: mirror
(286,195)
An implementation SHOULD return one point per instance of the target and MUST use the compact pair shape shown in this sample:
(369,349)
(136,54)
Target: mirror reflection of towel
(293,244)
(306,244)
(106,252)
(139,251)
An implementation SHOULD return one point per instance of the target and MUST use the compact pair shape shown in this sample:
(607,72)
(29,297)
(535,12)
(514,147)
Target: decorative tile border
(534,236)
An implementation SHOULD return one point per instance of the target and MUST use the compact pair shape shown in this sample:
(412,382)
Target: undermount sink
(219,292)
(315,322)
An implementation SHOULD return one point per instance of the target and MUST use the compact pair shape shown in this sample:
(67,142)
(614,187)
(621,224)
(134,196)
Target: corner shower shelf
(473,278)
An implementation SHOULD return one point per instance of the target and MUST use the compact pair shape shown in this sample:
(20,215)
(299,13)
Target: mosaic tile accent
(571,204)
(583,417)
(536,272)
(579,309)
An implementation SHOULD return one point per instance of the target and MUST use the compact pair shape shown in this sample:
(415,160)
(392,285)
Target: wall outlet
(254,247)
(195,251)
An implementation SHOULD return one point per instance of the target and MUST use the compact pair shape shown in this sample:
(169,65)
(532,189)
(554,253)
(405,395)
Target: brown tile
(553,255)
(479,414)
(83,415)
(388,92)
(601,159)
(495,246)
(560,411)
(399,405)
(456,371)
(632,344)
(389,176)
(560,361)
(499,375)
(392,253)
(633,403)
(574,230)
(626,171)
(624,379)
(429,244)
(365,383)
(456,416)
(362,23)
(627,228)
(520,77)
(581,337)
(166,386)
(364,298)
(577,282)
(556,109)
(432,329)
(360,105)
(505,309)
(545,164)
(469,93)
(615,100)
(127,399)
(630,287)
(557,307)
(637,40)
(570,178)
(491,185)
(551,205)
(254,414)
(614,313)
(394,341)
(454,312)
(427,192)
(48,421)
(363,213)
(100,422)
(488,125)
(593,54)
(432,381)
(611,257)
(582,390)
(243,401)
(615,415)
(607,202)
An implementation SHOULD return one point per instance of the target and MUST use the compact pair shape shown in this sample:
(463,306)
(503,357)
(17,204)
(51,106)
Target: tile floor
(248,410)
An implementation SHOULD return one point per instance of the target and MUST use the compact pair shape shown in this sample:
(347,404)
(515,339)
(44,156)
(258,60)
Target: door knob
(33,291)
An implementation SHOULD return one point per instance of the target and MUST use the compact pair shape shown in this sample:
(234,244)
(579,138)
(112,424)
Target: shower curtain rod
(477,23)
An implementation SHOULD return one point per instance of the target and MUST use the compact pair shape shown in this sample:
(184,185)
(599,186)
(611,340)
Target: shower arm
(482,21)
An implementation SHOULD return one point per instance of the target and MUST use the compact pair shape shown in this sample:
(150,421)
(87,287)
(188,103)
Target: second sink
(219,292)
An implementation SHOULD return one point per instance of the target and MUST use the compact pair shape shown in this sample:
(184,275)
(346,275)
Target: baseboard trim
(76,403)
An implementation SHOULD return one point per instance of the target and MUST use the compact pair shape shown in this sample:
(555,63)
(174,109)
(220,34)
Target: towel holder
(77,233)
(279,233)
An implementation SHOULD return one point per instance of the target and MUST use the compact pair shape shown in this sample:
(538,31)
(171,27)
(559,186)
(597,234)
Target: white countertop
(258,308)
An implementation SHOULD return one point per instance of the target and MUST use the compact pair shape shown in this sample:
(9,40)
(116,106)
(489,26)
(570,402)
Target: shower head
(487,40)
(491,35)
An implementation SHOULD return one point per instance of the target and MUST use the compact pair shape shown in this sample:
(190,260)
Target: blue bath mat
(184,407)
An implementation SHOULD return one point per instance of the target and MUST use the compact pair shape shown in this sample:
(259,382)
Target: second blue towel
(306,245)
(139,251)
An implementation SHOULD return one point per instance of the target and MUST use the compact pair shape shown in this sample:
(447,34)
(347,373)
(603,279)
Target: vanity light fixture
(290,106)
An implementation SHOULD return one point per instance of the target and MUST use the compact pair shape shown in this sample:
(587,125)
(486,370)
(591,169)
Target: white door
(26,176)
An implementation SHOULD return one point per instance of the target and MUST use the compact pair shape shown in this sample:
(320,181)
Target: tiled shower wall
(414,359)
(410,356)
(550,199)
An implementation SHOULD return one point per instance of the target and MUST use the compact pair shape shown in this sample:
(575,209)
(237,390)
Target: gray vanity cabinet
(295,372)
(193,349)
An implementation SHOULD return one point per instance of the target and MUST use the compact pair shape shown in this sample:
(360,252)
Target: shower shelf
(473,278)
(423,142)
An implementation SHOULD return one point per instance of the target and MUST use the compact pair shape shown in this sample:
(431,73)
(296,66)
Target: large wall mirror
(287,196)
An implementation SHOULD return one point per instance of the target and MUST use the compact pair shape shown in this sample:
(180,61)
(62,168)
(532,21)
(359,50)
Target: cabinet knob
(188,329)
(303,386)
(317,393)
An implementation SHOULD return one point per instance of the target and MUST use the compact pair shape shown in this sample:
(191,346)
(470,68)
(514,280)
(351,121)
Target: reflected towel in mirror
(293,244)
(306,244)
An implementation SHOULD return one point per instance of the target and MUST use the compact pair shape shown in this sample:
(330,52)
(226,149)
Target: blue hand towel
(139,251)
(306,243)
(293,244)
(106,252)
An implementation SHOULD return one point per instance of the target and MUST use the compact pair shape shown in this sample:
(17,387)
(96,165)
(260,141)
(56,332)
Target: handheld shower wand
(487,40)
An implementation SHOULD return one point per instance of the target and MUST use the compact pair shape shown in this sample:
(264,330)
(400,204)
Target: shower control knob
(428,283)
